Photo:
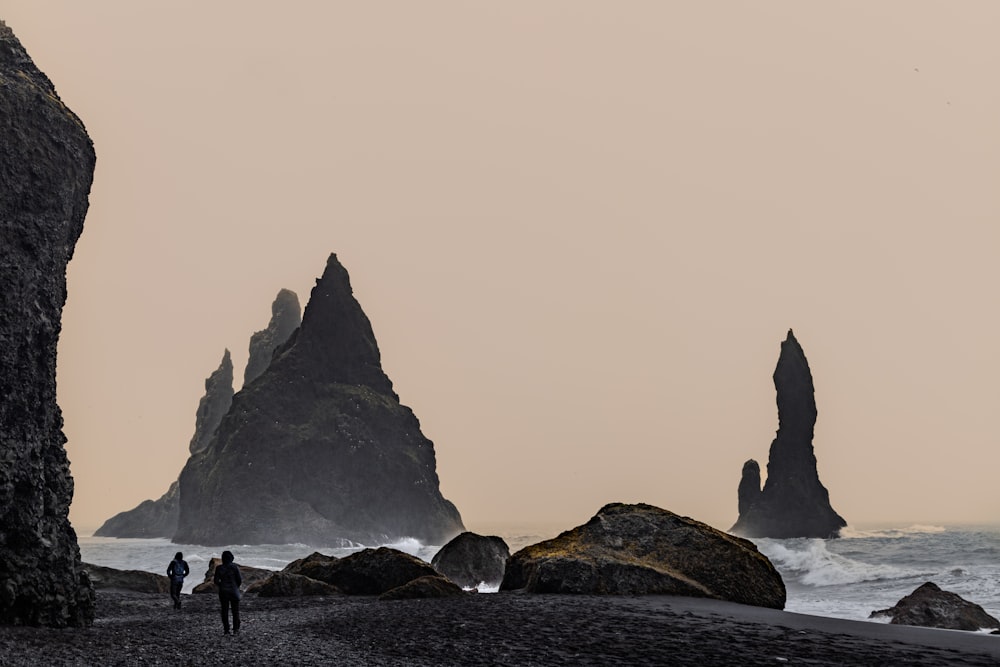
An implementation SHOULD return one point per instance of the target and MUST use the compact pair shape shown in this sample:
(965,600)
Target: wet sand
(485,629)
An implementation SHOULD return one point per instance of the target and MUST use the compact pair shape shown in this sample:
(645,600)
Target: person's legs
(236,615)
(224,602)
(175,593)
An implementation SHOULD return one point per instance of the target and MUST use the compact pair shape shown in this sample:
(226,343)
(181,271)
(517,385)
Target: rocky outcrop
(138,581)
(213,405)
(286,316)
(46,168)
(470,560)
(793,502)
(150,518)
(424,587)
(286,584)
(251,577)
(158,518)
(318,449)
(640,550)
(930,607)
(369,571)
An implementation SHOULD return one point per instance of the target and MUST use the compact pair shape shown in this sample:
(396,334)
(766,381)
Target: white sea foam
(811,563)
(849,532)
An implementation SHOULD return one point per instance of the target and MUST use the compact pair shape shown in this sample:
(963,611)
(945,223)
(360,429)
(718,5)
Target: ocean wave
(809,562)
(848,532)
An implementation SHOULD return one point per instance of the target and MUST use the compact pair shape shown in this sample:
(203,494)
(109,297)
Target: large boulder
(640,550)
(424,587)
(46,169)
(793,502)
(369,571)
(317,449)
(285,584)
(286,316)
(138,581)
(250,576)
(470,560)
(302,564)
(931,607)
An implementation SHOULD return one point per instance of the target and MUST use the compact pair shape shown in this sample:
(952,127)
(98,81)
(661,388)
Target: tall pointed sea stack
(46,168)
(793,502)
(214,405)
(318,448)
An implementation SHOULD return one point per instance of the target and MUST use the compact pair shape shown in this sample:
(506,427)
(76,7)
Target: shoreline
(482,629)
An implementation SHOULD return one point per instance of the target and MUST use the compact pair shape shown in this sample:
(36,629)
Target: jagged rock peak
(337,336)
(46,169)
(214,404)
(286,316)
(793,502)
(318,449)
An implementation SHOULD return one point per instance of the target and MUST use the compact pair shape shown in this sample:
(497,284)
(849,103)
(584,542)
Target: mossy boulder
(640,550)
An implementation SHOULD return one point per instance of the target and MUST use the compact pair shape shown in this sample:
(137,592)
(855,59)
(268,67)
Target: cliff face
(286,316)
(150,518)
(318,448)
(46,168)
(214,404)
(793,502)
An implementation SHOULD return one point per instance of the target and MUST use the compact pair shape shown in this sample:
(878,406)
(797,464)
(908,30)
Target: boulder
(369,571)
(930,607)
(793,502)
(138,581)
(424,587)
(318,449)
(640,550)
(297,566)
(250,575)
(285,584)
(286,316)
(470,560)
(46,169)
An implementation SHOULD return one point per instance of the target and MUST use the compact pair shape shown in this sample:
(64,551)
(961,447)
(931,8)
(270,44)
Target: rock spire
(318,448)
(286,316)
(793,502)
(46,169)
(214,404)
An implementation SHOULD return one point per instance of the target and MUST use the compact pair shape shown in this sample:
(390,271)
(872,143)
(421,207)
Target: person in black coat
(177,570)
(228,580)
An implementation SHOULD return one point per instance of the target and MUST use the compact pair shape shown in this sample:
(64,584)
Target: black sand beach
(485,629)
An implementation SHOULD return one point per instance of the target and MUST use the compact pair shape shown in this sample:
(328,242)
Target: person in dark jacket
(228,580)
(177,570)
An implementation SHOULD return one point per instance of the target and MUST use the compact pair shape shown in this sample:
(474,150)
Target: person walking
(177,570)
(228,580)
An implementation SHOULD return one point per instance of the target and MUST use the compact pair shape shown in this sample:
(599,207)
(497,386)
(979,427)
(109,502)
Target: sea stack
(286,316)
(318,448)
(793,502)
(46,169)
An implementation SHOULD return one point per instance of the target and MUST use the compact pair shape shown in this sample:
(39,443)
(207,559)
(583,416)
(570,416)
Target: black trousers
(227,600)
(175,591)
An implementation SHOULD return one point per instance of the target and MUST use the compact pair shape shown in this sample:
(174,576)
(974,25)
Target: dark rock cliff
(286,316)
(793,502)
(318,449)
(214,404)
(150,518)
(158,518)
(46,169)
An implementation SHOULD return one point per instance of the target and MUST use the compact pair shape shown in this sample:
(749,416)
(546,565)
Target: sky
(580,231)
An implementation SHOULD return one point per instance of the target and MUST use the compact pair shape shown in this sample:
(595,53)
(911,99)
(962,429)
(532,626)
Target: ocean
(864,570)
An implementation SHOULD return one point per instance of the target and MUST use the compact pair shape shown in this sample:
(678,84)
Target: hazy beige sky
(580,230)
